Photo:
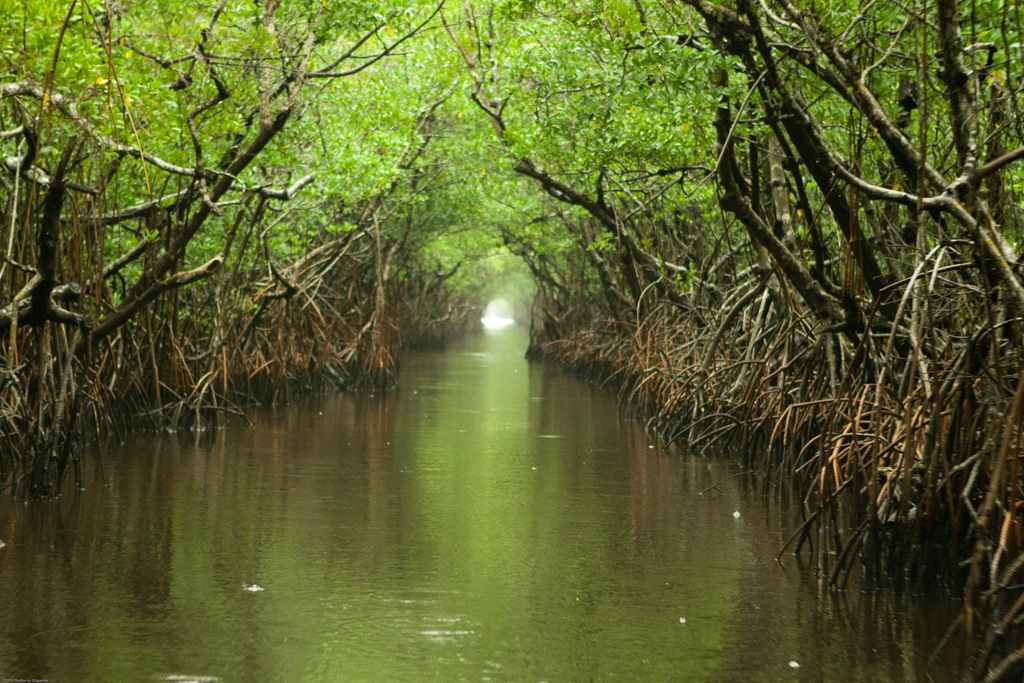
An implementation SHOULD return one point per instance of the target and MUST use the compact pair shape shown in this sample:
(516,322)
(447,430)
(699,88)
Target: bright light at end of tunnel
(495,323)
(497,315)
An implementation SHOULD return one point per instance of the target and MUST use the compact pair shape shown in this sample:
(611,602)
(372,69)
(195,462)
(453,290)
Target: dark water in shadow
(489,520)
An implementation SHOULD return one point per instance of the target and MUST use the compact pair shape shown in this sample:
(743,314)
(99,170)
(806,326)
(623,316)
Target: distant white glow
(493,322)
(497,315)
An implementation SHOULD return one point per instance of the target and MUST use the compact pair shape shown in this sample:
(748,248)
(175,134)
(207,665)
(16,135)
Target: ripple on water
(447,630)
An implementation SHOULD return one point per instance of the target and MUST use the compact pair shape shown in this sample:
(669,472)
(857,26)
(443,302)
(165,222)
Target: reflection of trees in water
(372,519)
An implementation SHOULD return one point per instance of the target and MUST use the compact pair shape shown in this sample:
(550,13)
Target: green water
(489,520)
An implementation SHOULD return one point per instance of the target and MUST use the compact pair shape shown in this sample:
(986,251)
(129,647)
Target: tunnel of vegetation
(791,229)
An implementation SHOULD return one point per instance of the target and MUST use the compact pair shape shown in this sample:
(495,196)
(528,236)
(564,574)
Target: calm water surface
(488,520)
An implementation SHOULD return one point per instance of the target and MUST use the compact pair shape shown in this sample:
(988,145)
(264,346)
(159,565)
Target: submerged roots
(910,464)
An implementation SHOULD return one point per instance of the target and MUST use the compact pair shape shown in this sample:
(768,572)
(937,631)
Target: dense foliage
(209,203)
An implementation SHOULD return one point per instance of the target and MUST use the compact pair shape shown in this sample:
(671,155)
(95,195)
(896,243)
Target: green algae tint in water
(488,520)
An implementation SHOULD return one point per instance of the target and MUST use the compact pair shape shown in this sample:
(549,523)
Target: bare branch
(132,254)
(290,192)
(125,312)
(328,71)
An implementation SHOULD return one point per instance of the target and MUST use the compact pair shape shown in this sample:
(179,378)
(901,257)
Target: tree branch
(119,317)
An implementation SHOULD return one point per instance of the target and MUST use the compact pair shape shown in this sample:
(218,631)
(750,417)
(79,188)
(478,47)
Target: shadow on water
(488,520)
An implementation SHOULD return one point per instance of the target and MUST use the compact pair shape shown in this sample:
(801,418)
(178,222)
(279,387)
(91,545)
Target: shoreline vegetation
(790,232)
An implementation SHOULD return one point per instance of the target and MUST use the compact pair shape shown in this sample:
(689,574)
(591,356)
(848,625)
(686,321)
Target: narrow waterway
(488,520)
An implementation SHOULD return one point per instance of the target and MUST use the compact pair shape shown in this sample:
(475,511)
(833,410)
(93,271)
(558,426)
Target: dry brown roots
(327,322)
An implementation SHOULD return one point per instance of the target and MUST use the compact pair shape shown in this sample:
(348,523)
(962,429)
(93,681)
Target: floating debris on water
(736,514)
(793,664)
(255,588)
(682,620)
(186,678)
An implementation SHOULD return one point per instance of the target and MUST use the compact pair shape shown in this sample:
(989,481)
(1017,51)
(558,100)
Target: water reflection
(489,520)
